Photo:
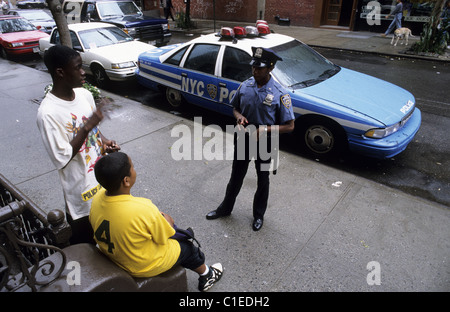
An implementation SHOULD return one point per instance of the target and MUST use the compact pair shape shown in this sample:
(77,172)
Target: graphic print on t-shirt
(92,141)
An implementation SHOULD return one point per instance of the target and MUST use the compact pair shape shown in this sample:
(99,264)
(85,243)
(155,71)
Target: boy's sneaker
(214,275)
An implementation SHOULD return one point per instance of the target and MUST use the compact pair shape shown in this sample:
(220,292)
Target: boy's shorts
(191,257)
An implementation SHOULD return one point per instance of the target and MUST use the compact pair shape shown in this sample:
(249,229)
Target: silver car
(42,19)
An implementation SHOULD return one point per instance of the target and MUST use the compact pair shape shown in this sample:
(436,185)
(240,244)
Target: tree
(187,17)
(435,33)
(55,7)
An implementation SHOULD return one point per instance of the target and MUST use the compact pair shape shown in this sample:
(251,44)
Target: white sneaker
(214,275)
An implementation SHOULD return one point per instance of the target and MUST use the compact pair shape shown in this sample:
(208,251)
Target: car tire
(321,137)
(3,53)
(100,77)
(174,98)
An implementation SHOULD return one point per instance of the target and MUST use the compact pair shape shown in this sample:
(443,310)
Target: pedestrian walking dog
(401,33)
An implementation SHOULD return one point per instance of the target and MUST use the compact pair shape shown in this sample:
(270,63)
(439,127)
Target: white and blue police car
(335,107)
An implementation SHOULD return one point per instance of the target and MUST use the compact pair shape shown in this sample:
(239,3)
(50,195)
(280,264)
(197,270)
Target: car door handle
(183,74)
(222,85)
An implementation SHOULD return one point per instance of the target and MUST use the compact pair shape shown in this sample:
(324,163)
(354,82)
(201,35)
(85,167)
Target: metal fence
(27,238)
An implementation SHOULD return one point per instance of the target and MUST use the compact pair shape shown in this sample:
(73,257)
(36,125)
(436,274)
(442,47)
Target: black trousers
(191,257)
(238,173)
(82,231)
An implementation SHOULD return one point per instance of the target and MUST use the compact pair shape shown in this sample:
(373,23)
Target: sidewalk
(324,228)
(360,41)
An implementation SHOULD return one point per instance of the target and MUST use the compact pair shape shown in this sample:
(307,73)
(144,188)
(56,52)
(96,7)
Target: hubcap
(173,97)
(319,139)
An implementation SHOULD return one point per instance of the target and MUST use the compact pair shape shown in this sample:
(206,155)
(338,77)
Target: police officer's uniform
(265,106)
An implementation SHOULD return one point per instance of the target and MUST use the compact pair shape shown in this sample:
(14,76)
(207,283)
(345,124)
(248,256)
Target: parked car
(42,19)
(334,107)
(18,36)
(107,52)
(122,13)
(32,4)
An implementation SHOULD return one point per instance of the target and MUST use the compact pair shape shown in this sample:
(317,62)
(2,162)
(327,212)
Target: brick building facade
(299,12)
(340,14)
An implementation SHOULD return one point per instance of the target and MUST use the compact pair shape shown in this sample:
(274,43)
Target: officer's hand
(241,121)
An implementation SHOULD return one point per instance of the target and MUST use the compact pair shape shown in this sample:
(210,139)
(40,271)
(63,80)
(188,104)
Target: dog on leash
(403,33)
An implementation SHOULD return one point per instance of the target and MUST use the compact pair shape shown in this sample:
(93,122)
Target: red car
(18,36)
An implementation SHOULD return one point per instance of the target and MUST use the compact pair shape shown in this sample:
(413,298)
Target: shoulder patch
(286,100)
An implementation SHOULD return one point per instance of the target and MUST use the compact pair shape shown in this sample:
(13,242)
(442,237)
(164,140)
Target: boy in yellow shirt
(134,234)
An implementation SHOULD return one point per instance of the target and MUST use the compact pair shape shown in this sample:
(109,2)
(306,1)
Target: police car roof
(246,43)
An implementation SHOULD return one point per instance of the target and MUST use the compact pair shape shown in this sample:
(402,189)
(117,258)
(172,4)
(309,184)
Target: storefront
(338,13)
(415,14)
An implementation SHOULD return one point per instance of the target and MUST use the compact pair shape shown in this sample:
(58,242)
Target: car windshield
(301,66)
(119,8)
(15,25)
(100,37)
(36,15)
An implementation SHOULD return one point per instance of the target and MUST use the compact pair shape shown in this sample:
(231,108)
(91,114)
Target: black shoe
(215,215)
(214,275)
(257,224)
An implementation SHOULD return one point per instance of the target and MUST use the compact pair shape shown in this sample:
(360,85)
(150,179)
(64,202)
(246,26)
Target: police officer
(261,104)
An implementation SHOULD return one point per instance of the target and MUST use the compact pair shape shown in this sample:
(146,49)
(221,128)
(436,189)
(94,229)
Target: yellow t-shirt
(132,232)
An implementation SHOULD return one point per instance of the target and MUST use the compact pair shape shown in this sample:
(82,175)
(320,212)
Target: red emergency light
(262,22)
(263,29)
(227,32)
(239,31)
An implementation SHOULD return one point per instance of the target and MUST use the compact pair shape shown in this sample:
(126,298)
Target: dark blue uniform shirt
(269,105)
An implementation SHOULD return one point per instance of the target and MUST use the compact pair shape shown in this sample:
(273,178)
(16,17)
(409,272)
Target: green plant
(433,40)
(183,21)
(93,89)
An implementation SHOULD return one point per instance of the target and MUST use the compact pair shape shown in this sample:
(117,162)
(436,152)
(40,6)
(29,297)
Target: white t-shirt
(59,121)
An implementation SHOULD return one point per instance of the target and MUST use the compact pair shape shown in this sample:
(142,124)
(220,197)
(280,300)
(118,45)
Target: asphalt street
(325,229)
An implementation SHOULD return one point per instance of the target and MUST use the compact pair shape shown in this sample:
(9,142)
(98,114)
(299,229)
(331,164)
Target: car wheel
(321,136)
(174,97)
(100,77)
(3,53)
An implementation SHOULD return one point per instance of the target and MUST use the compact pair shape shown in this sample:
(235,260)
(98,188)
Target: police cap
(263,57)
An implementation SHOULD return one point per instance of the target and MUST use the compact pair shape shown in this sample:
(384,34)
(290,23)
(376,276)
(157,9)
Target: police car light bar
(261,28)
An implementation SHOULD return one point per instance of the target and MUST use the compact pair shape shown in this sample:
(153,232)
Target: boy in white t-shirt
(67,119)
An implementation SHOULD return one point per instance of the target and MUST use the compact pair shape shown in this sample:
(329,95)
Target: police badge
(268,100)
(286,100)
(212,90)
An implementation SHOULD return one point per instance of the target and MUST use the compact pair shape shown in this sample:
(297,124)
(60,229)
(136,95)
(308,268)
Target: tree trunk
(436,14)
(187,18)
(61,22)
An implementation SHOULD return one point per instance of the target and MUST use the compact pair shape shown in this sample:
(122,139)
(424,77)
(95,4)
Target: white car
(108,53)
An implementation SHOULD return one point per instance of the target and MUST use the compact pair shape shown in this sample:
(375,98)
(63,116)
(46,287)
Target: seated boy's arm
(168,218)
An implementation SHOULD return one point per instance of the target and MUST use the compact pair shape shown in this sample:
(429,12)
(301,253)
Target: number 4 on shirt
(102,234)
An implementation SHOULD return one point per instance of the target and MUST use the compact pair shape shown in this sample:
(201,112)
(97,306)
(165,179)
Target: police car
(334,107)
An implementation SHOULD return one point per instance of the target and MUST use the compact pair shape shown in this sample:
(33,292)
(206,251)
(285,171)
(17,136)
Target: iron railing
(27,238)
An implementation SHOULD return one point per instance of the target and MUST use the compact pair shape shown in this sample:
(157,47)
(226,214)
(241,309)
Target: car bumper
(122,74)
(22,50)
(389,146)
